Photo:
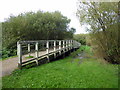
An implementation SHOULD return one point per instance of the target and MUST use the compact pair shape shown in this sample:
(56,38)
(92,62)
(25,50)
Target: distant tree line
(34,26)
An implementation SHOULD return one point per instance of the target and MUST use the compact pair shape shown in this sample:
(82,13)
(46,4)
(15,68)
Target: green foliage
(65,74)
(80,38)
(104,31)
(106,46)
(7,53)
(35,26)
(29,57)
(1,83)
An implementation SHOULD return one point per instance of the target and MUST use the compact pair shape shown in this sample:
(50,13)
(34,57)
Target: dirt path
(9,65)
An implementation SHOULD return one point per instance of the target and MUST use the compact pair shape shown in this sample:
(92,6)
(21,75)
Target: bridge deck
(40,54)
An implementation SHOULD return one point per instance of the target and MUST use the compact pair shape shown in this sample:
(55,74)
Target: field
(70,72)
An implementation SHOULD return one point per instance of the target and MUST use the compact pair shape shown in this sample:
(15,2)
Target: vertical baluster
(47,50)
(54,49)
(19,53)
(64,46)
(69,44)
(60,47)
(29,49)
(36,52)
(72,44)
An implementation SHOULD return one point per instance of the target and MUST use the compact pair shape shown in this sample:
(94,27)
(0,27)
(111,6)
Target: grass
(29,57)
(83,48)
(15,56)
(0,83)
(65,74)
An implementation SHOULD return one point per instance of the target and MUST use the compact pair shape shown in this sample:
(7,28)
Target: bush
(81,38)
(105,45)
(8,53)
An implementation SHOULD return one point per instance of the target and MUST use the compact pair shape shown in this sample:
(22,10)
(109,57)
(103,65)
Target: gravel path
(8,66)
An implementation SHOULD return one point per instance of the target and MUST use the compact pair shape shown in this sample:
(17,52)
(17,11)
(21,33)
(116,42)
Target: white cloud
(66,7)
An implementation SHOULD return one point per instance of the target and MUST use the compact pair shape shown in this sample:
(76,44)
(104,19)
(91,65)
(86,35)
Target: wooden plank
(39,41)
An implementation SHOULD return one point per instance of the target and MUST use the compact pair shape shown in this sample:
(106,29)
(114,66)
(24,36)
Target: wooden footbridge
(35,51)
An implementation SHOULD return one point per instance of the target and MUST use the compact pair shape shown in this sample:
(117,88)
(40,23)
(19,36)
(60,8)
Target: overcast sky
(66,7)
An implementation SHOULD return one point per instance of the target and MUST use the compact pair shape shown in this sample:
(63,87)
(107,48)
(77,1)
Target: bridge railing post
(73,44)
(19,53)
(36,52)
(47,50)
(69,45)
(54,49)
(60,47)
(29,49)
(64,46)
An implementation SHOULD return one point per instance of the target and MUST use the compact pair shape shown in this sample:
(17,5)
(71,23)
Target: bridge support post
(60,47)
(54,49)
(36,52)
(47,50)
(73,45)
(29,49)
(70,46)
(63,48)
(66,46)
(19,53)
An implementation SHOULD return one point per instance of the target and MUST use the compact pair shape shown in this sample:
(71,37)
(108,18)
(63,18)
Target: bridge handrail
(62,45)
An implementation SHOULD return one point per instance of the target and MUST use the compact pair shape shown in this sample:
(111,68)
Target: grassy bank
(66,73)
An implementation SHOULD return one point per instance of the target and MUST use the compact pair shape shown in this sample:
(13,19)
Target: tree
(103,19)
(35,26)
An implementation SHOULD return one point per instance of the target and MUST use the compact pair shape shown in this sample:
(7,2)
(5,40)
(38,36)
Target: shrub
(80,38)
